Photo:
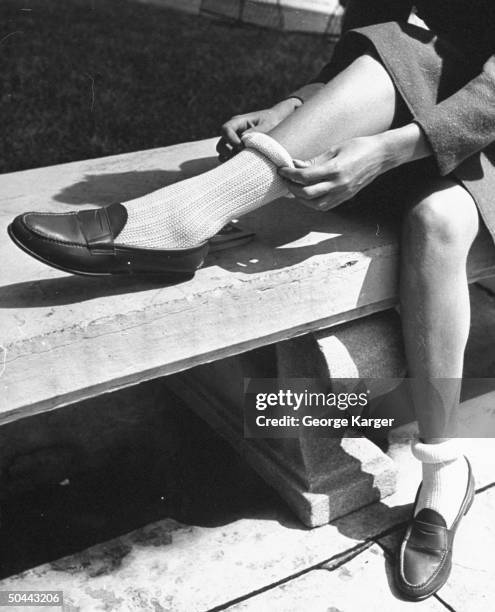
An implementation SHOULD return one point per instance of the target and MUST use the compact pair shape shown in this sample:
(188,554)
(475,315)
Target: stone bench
(316,285)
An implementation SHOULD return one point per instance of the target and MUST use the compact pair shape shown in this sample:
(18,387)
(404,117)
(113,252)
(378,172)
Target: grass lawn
(88,78)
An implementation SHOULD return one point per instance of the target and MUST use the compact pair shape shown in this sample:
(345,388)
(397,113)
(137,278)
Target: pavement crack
(346,556)
(335,562)
(485,488)
(444,603)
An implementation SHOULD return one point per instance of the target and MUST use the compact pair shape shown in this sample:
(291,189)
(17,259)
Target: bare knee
(445,219)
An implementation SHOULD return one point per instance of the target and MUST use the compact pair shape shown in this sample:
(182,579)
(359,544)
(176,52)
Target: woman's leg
(439,229)
(360,101)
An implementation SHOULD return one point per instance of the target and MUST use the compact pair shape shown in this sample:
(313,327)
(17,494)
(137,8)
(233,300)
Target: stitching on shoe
(50,214)
(72,244)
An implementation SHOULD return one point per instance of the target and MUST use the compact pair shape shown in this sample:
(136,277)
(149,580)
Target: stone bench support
(323,478)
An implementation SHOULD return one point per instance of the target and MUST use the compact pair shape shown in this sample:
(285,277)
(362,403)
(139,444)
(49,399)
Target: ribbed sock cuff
(269,147)
(436,453)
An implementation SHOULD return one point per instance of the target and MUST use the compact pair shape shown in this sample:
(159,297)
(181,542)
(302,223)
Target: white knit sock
(445,478)
(189,212)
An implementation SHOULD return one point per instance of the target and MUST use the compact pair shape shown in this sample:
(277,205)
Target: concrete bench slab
(66,338)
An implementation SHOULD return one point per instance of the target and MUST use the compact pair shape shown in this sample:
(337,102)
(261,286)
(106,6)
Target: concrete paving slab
(190,568)
(361,584)
(58,608)
(185,568)
(471,586)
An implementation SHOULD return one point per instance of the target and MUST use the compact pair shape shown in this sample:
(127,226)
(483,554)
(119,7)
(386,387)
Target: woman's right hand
(230,141)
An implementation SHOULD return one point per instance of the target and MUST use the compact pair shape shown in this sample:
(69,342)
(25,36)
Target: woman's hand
(336,176)
(260,121)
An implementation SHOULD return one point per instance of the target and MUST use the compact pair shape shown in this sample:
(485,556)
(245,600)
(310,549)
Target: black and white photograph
(247,305)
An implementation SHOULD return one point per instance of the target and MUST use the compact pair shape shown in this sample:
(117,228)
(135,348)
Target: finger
(322,204)
(310,175)
(328,203)
(311,171)
(263,126)
(301,163)
(311,192)
(256,125)
(318,160)
(229,133)
(223,148)
(230,155)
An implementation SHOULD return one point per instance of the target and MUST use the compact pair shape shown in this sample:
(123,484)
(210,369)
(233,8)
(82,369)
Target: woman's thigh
(360,101)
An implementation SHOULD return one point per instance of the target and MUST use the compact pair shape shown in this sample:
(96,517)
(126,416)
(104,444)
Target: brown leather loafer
(82,242)
(425,556)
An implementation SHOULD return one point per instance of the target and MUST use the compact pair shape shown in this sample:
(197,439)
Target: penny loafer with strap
(82,242)
(425,556)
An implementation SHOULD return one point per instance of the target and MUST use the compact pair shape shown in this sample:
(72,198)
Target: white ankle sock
(445,478)
(189,212)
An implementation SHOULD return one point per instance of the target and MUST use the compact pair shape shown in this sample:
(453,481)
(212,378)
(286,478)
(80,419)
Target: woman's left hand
(336,176)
